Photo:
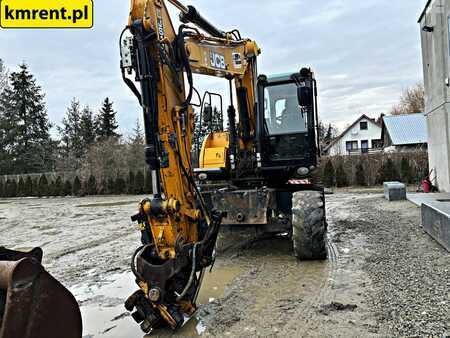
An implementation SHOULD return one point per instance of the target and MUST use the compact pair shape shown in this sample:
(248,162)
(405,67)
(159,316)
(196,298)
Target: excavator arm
(178,231)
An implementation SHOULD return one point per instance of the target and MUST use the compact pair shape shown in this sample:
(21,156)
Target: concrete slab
(421,198)
(394,191)
(435,215)
(436,222)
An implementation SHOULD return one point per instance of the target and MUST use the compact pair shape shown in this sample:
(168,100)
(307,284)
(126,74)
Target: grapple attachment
(33,304)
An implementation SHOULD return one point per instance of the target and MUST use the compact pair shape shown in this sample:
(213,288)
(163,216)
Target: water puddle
(104,315)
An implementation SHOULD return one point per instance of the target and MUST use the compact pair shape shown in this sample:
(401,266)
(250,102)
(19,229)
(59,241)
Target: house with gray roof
(404,132)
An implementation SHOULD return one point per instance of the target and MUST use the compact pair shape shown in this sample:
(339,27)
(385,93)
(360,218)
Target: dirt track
(384,277)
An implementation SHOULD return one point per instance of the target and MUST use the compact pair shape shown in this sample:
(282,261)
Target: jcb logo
(217,60)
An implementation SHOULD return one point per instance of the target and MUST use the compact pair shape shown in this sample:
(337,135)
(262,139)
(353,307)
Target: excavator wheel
(309,225)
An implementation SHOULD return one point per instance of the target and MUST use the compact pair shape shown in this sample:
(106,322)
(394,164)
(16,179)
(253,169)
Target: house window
(365,146)
(351,145)
(377,144)
(363,126)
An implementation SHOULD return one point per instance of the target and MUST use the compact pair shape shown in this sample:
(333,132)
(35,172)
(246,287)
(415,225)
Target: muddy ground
(384,278)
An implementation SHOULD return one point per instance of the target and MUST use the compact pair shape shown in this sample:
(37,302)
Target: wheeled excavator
(257,171)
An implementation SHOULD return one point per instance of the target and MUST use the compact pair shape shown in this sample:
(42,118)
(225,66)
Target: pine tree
(360,175)
(329,136)
(87,127)
(25,142)
(21,187)
(136,148)
(341,176)
(71,137)
(28,188)
(43,189)
(131,183)
(106,121)
(329,174)
(139,183)
(76,187)
(67,191)
(91,186)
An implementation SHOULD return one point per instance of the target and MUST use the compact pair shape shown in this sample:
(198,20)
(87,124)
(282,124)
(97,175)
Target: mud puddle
(104,315)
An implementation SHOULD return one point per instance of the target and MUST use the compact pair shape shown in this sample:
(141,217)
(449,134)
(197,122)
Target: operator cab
(286,130)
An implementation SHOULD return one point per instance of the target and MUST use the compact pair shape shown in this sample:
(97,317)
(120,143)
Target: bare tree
(412,101)
(105,159)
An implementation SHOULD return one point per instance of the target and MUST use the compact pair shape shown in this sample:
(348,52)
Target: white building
(363,136)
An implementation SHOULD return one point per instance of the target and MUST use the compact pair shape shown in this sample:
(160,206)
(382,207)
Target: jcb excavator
(256,172)
(249,174)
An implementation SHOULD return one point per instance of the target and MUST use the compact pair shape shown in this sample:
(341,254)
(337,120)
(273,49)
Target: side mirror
(207,114)
(305,97)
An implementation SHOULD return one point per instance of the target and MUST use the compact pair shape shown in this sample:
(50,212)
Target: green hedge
(25,186)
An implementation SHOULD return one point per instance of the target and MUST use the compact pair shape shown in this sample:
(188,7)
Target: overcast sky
(365,53)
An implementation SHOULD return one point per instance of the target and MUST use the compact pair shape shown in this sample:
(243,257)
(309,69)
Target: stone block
(394,191)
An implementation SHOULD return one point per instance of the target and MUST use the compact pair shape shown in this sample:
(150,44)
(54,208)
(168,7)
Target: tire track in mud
(323,291)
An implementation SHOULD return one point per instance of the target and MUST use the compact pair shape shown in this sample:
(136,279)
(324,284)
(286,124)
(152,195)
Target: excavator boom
(178,230)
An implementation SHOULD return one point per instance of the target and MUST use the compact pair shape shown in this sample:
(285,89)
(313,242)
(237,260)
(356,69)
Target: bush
(111,186)
(388,172)
(21,187)
(360,175)
(76,187)
(120,186)
(103,188)
(35,187)
(148,188)
(2,189)
(51,189)
(91,186)
(328,176)
(58,188)
(341,177)
(139,183)
(406,171)
(67,190)
(28,187)
(42,187)
(11,188)
(131,183)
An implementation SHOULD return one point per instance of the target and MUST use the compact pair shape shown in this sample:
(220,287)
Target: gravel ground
(410,272)
(384,278)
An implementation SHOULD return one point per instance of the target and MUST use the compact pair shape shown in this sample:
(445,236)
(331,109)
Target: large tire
(309,226)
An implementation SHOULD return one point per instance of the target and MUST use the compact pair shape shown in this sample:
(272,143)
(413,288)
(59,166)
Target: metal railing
(359,151)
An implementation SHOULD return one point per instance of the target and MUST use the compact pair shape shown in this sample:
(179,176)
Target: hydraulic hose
(191,277)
